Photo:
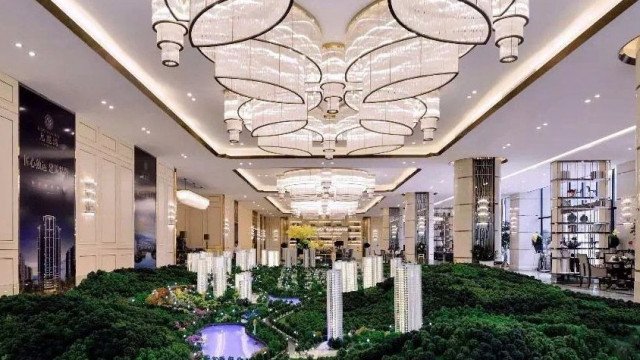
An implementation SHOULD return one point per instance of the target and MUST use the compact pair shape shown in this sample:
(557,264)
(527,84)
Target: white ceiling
(72,74)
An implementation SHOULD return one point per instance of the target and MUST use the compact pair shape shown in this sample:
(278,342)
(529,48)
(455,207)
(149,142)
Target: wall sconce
(374,236)
(227,228)
(276,235)
(171,214)
(89,196)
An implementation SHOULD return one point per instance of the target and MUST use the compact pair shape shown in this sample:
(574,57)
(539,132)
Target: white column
(524,215)
(636,243)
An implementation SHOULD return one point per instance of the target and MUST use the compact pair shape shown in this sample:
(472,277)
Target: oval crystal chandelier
(301,98)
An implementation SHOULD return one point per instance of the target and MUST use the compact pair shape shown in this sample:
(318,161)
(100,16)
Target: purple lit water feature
(229,340)
(288,300)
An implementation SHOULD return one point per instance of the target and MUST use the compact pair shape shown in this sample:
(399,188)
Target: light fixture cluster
(589,100)
(145,130)
(325,192)
(299,97)
(19,45)
(190,198)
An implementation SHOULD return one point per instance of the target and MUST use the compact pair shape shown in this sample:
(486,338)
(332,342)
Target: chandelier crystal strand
(232,103)
(333,82)
(501,6)
(453,21)
(408,69)
(509,29)
(338,184)
(260,70)
(301,32)
(270,119)
(392,118)
(299,143)
(223,22)
(363,142)
(169,33)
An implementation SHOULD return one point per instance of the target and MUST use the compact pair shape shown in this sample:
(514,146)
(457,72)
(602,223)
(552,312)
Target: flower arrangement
(303,233)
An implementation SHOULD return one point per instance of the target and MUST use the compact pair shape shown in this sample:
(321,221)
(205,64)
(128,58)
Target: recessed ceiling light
(587,101)
(245,196)
(68,130)
(241,144)
(110,107)
(508,144)
(241,164)
(468,96)
(630,149)
(103,102)
(331,163)
(538,127)
(18,45)
(413,162)
(474,92)
(545,124)
(148,132)
(597,96)
(404,163)
(322,163)
(413,143)
(189,95)
(144,129)
(250,164)
(504,147)
(193,99)
(32,53)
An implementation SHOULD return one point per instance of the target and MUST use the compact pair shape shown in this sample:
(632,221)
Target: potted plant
(536,241)
(483,255)
(614,240)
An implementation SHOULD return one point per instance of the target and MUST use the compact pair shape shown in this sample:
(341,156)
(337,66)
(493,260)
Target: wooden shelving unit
(580,211)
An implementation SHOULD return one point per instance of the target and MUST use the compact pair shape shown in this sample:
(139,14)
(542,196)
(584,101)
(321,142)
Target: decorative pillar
(476,224)
(418,227)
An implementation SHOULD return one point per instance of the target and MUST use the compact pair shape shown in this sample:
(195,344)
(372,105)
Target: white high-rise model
(372,271)
(228,260)
(252,258)
(408,298)
(219,275)
(349,270)
(334,304)
(243,284)
(264,257)
(203,276)
(273,258)
(393,265)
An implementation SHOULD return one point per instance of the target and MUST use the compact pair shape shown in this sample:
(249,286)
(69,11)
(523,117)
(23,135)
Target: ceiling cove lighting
(295,94)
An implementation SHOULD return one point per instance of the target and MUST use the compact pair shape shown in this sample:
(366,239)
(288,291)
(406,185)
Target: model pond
(229,340)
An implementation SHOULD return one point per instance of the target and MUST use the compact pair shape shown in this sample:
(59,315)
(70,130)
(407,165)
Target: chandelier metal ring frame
(267,127)
(285,144)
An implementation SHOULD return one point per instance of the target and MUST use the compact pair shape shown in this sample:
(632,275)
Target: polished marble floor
(593,290)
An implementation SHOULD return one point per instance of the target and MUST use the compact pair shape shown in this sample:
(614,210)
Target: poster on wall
(46,250)
(145,210)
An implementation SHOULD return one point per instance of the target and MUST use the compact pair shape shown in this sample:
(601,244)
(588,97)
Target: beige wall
(244,226)
(199,222)
(8,185)
(104,239)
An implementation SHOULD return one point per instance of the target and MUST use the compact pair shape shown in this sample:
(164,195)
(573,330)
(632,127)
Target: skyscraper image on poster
(46,250)
(145,209)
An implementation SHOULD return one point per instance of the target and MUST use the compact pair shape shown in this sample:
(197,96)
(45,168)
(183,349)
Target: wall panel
(8,185)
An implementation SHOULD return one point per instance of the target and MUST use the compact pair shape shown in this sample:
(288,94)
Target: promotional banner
(145,209)
(47,195)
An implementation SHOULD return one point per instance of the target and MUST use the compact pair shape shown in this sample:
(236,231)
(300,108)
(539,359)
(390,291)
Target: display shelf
(579,190)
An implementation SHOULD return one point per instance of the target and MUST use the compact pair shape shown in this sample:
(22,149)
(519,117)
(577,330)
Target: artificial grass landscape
(470,312)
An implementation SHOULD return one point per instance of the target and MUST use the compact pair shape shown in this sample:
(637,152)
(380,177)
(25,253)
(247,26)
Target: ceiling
(70,72)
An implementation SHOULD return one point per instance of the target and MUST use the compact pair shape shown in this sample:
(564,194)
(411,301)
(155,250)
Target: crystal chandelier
(365,97)
(325,192)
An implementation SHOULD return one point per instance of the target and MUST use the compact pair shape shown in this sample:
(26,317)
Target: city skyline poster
(46,250)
